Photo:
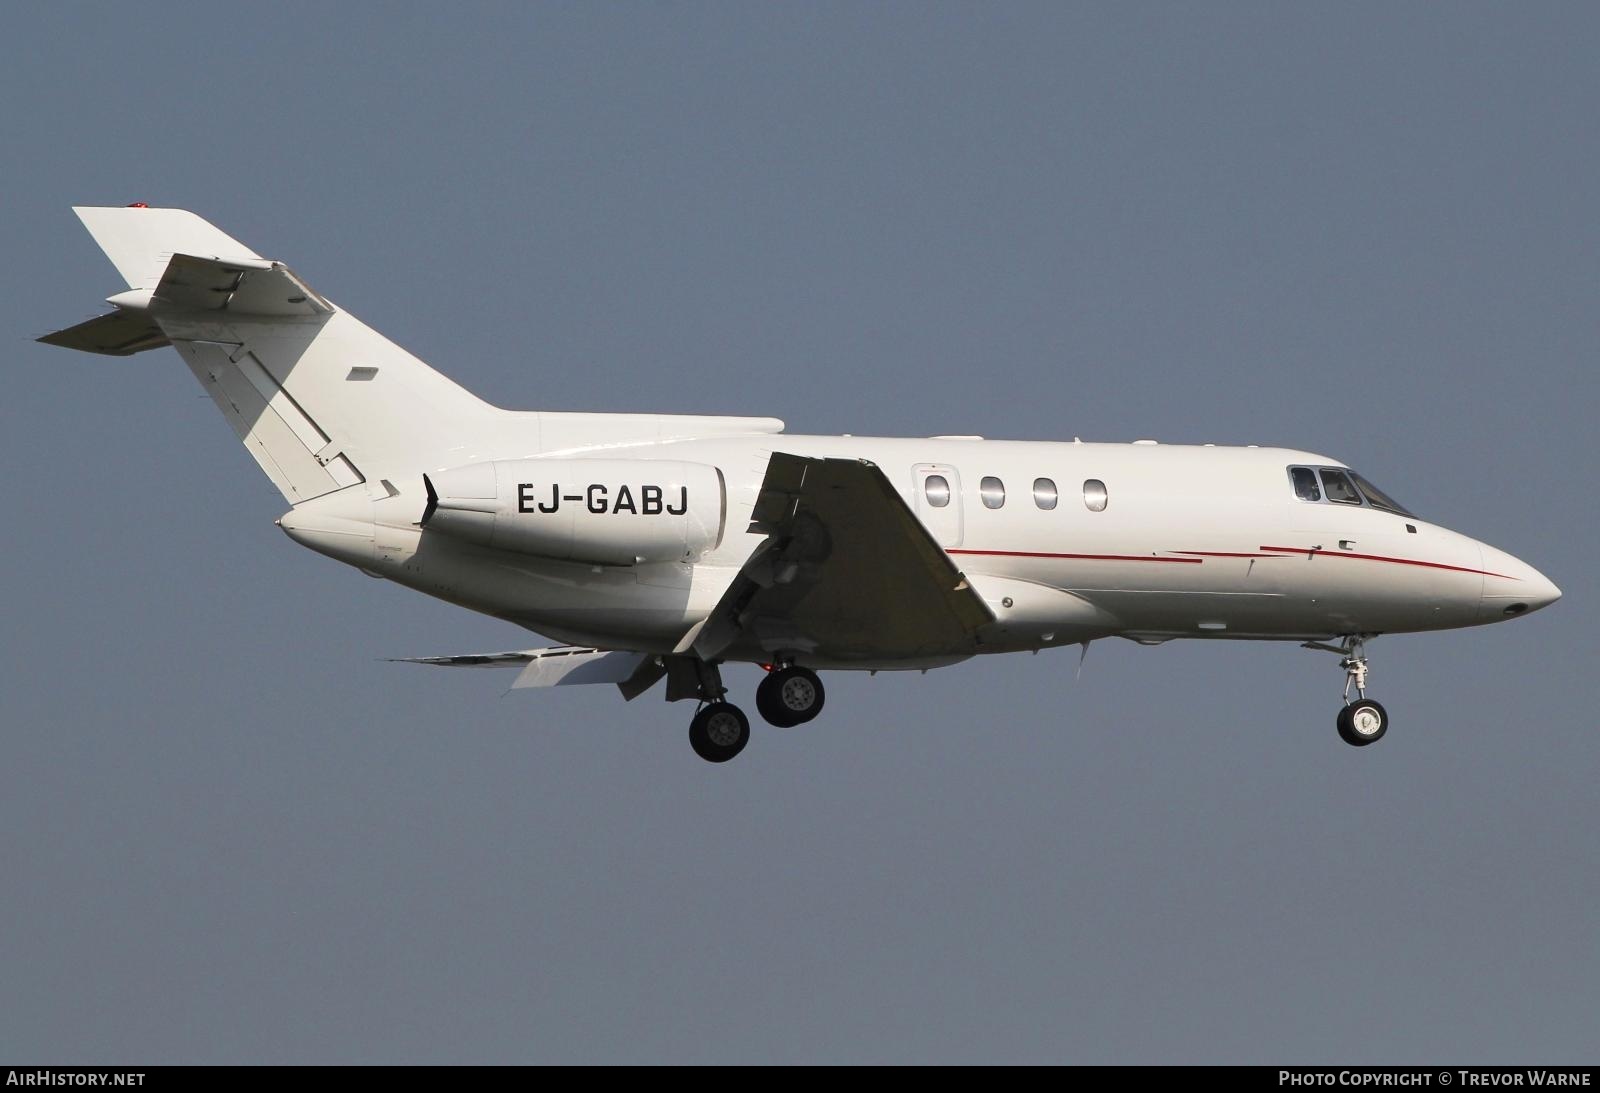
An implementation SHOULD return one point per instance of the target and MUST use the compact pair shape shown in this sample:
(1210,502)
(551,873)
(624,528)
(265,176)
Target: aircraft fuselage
(1066,542)
(661,546)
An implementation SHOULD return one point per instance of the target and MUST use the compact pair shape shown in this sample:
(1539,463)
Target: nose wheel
(1362,721)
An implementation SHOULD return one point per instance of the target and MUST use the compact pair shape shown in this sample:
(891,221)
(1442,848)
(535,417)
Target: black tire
(1357,721)
(790,696)
(719,732)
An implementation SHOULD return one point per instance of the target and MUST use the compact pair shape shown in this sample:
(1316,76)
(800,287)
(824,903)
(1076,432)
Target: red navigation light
(138,205)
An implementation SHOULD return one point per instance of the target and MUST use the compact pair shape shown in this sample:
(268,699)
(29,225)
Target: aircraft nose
(1513,587)
(1543,591)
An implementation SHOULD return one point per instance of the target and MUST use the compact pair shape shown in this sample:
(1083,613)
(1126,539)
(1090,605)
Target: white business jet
(660,547)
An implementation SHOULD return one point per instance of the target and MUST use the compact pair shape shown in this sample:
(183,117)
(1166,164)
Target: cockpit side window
(1339,488)
(1305,483)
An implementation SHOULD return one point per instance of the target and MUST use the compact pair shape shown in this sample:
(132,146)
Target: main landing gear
(788,696)
(719,732)
(1363,721)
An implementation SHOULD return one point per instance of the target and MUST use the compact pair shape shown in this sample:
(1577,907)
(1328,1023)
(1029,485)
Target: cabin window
(993,492)
(936,488)
(1339,488)
(1305,483)
(1094,495)
(1044,493)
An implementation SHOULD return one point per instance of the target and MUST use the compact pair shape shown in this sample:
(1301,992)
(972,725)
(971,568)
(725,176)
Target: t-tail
(321,400)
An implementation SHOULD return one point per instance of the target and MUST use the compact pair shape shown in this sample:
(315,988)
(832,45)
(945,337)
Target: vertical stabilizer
(320,400)
(140,241)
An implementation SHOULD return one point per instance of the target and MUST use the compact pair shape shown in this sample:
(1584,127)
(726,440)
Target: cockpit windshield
(1380,500)
(1342,486)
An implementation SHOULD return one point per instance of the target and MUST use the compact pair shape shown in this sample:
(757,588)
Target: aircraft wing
(562,666)
(846,572)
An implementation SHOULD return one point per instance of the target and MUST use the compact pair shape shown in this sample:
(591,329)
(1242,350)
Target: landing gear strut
(789,696)
(1363,721)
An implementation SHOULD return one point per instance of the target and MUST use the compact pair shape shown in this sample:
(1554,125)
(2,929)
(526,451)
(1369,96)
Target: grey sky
(231,834)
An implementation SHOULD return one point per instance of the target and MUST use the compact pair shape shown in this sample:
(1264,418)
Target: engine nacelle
(601,511)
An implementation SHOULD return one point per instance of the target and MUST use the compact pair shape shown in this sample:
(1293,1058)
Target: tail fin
(321,401)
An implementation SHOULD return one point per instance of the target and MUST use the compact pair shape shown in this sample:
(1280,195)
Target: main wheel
(789,696)
(1363,722)
(719,732)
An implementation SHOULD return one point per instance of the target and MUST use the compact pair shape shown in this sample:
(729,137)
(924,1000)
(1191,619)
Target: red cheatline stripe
(1393,561)
(1085,557)
(1223,554)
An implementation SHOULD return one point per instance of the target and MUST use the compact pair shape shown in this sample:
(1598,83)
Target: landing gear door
(937,497)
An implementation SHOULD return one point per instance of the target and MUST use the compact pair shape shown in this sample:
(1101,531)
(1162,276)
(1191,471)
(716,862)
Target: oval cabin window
(993,492)
(1094,495)
(1044,493)
(936,488)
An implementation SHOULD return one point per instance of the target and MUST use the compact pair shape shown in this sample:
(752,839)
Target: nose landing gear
(1363,721)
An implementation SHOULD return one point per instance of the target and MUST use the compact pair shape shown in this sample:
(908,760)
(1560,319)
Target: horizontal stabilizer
(119,334)
(563,666)
(257,287)
(252,287)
